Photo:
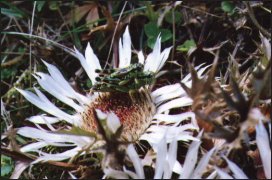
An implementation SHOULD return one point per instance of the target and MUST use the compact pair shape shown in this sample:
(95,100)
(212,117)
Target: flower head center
(135,112)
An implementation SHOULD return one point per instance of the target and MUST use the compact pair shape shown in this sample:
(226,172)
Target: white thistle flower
(141,119)
(192,168)
(167,163)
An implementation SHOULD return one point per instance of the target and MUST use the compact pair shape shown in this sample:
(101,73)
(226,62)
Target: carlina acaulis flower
(125,91)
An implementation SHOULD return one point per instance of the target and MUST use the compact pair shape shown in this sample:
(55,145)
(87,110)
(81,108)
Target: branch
(13,61)
(29,158)
(255,22)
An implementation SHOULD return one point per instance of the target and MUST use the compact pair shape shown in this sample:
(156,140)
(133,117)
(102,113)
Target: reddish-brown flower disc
(135,111)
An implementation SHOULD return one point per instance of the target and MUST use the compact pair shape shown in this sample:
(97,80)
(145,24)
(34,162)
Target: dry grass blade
(66,49)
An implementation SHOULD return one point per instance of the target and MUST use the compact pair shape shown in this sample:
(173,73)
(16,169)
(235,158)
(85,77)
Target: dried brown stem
(29,158)
(13,61)
(255,22)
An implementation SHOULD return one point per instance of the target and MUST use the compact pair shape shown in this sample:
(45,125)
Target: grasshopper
(125,80)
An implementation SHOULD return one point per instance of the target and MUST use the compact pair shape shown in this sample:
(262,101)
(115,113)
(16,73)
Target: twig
(13,61)
(198,10)
(29,158)
(65,24)
(118,21)
(174,34)
(13,53)
(186,24)
(66,49)
(4,36)
(17,24)
(255,22)
(30,43)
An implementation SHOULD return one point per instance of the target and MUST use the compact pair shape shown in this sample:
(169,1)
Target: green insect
(133,68)
(125,80)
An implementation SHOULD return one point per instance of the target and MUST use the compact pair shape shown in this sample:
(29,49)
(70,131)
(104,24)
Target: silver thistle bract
(144,114)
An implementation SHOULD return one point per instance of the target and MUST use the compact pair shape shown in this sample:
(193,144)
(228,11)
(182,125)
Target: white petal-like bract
(263,144)
(132,154)
(125,50)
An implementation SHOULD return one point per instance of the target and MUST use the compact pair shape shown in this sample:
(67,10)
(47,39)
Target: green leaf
(151,30)
(186,46)
(151,42)
(6,165)
(228,7)
(169,17)
(53,5)
(40,5)
(8,72)
(5,169)
(166,34)
(14,8)
(11,13)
